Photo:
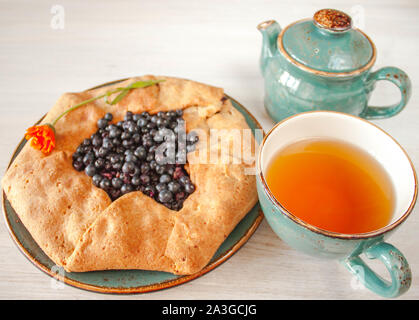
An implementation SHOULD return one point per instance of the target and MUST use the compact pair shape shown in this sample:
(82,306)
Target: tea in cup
(335,186)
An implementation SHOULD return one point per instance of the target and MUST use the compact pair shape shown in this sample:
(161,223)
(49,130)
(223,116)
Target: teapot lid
(327,44)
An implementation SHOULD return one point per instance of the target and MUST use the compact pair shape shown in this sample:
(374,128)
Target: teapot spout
(270,30)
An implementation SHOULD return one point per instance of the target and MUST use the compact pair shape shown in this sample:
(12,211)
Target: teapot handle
(401,80)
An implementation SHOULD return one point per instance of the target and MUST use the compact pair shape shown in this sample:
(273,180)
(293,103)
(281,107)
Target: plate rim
(140,289)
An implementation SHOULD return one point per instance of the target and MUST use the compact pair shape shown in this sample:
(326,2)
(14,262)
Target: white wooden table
(215,42)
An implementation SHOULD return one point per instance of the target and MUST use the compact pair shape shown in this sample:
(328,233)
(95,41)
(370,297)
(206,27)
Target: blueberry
(136,181)
(161,123)
(97,141)
(136,138)
(76,155)
(105,183)
(108,116)
(174,186)
(161,186)
(131,158)
(154,177)
(102,152)
(115,193)
(189,188)
(136,117)
(111,127)
(184,180)
(131,126)
(142,122)
(128,152)
(120,149)
(78,165)
(127,143)
(146,136)
(88,158)
(145,179)
(165,178)
(116,142)
(125,135)
(114,132)
(80,149)
(140,152)
(115,158)
(126,188)
(128,116)
(117,183)
(102,123)
(165,196)
(100,163)
(180,196)
(97,178)
(137,170)
(107,143)
(128,167)
(150,191)
(153,164)
(117,166)
(160,169)
(87,149)
(104,134)
(151,125)
(173,125)
(170,169)
(145,167)
(148,142)
(108,165)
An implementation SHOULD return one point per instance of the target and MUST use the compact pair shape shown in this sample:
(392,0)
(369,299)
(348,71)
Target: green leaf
(119,97)
(143,84)
(125,90)
(109,93)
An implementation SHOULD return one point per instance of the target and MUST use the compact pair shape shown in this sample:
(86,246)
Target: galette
(136,179)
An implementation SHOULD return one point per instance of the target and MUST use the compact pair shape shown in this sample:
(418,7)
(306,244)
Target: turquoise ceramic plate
(130,281)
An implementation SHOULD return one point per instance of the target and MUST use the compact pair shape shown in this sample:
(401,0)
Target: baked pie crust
(78,226)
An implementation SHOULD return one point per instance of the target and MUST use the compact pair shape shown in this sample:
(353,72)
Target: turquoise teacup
(346,248)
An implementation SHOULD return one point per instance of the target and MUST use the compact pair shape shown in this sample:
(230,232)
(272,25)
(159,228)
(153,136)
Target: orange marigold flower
(42,137)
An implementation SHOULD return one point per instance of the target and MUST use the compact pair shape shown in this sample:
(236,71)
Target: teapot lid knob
(332,20)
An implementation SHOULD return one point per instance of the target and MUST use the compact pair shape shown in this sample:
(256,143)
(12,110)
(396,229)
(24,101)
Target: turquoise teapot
(323,63)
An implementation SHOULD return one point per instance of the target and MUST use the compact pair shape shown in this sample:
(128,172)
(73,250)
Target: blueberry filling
(144,152)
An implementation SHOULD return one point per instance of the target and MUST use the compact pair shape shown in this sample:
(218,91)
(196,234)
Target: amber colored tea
(332,185)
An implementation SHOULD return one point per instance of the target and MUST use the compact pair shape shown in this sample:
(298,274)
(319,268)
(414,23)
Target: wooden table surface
(51,47)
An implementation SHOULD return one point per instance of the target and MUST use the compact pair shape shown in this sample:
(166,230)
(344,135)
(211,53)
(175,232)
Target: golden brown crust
(78,226)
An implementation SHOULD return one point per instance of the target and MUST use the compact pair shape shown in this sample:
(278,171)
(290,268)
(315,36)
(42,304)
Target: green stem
(138,84)
(77,106)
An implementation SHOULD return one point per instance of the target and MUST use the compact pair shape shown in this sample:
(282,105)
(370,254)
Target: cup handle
(396,264)
(401,80)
